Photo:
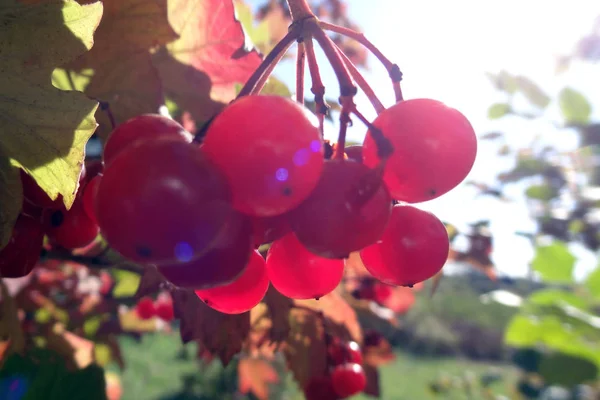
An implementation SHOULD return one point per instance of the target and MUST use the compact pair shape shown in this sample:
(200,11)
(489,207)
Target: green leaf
(576,109)
(541,192)
(42,129)
(548,297)
(555,262)
(498,110)
(83,384)
(504,81)
(592,283)
(532,92)
(127,283)
(567,370)
(11,198)
(276,87)
(522,331)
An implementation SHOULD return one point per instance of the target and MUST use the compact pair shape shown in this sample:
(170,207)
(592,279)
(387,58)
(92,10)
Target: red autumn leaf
(279,309)
(378,353)
(255,375)
(150,282)
(220,334)
(373,387)
(210,57)
(305,349)
(338,311)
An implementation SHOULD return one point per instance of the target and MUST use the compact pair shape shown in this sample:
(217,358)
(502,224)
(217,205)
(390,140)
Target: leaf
(547,297)
(554,262)
(541,192)
(378,354)
(126,283)
(306,350)
(220,334)
(255,375)
(77,351)
(123,73)
(11,198)
(42,129)
(276,87)
(566,370)
(279,308)
(85,384)
(592,282)
(102,354)
(576,109)
(338,311)
(260,34)
(150,281)
(202,67)
(129,321)
(532,92)
(10,326)
(373,387)
(504,81)
(522,331)
(499,110)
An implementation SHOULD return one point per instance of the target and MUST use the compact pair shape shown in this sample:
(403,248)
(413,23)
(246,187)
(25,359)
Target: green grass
(156,365)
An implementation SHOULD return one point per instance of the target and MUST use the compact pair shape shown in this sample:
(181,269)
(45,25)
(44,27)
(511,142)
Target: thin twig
(271,58)
(393,69)
(317,88)
(362,82)
(300,66)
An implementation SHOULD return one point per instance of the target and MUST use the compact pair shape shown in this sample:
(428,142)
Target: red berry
(224,260)
(146,127)
(269,229)
(347,211)
(270,149)
(400,300)
(242,294)
(434,149)
(382,292)
(320,388)
(299,274)
(89,197)
(345,352)
(70,229)
(145,308)
(36,195)
(22,252)
(348,379)
(164,310)
(161,201)
(413,248)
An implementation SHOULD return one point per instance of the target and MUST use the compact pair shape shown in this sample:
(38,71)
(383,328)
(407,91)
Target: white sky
(444,49)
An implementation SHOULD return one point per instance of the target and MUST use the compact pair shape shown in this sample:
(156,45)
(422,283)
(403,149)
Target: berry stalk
(299,9)
(362,82)
(270,60)
(318,89)
(300,66)
(393,69)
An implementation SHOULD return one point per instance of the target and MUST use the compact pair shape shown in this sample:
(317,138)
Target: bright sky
(444,49)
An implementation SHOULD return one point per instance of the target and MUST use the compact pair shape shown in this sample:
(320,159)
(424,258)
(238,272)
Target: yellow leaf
(43,130)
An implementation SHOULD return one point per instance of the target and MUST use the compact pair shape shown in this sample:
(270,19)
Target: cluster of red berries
(199,211)
(41,216)
(146,308)
(346,375)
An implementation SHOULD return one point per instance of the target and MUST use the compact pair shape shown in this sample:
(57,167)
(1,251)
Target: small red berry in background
(348,379)
(345,352)
(164,310)
(145,308)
